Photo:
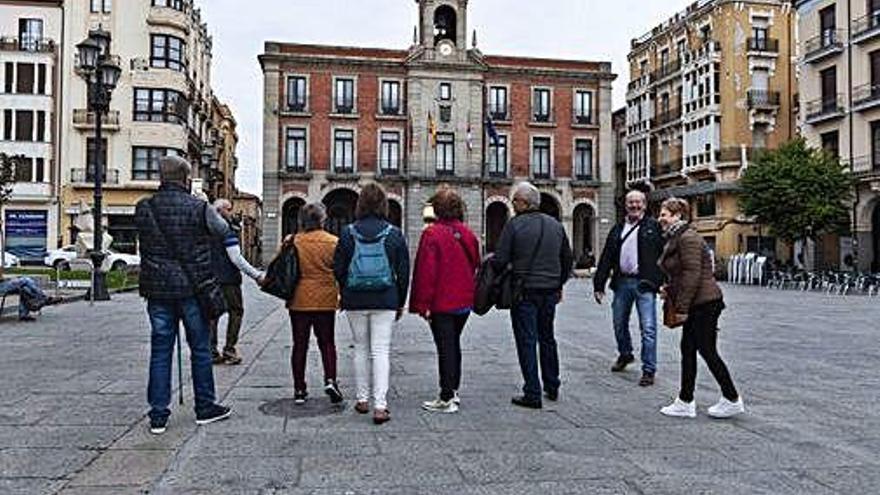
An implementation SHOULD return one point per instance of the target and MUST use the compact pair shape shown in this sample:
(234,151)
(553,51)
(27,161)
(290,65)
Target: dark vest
(182,218)
(227,273)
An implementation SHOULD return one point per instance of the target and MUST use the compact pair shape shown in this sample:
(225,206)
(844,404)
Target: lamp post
(101,73)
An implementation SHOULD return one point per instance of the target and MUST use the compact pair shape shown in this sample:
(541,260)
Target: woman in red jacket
(443,289)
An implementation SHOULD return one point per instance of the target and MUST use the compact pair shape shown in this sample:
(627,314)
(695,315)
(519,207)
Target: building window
(445,91)
(24,125)
(343,155)
(9,77)
(172,4)
(159,105)
(498,102)
(759,39)
(875,145)
(297,93)
(104,6)
(445,157)
(390,98)
(498,156)
(24,79)
(541,157)
(389,152)
(344,95)
(91,155)
(541,104)
(828,25)
(831,143)
(145,161)
(30,34)
(41,79)
(7,125)
(296,150)
(583,159)
(583,107)
(829,89)
(41,126)
(23,169)
(168,52)
(706,205)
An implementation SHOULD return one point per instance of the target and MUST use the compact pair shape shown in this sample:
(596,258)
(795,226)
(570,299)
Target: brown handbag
(671,318)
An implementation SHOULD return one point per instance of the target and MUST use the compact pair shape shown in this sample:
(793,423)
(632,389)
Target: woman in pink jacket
(443,290)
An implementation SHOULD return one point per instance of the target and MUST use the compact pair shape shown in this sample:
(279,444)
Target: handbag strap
(170,244)
(457,236)
(630,231)
(537,244)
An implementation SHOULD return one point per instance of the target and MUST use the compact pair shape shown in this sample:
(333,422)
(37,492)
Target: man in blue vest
(176,231)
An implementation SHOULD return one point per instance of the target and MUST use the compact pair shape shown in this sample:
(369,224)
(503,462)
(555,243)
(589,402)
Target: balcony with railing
(663,118)
(737,154)
(866,97)
(709,49)
(86,176)
(763,99)
(172,17)
(583,119)
(670,69)
(763,46)
(866,28)
(26,44)
(826,108)
(85,120)
(827,44)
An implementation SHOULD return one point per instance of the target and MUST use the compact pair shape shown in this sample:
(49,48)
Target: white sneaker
(726,409)
(680,409)
(440,406)
(456,398)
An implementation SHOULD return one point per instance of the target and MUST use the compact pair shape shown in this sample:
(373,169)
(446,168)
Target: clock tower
(443,26)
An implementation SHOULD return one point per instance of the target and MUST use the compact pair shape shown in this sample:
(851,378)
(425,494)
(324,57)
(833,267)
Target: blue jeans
(532,320)
(627,293)
(165,318)
(26,289)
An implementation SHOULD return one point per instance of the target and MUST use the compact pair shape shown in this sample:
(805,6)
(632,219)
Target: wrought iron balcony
(763,99)
(84,119)
(663,118)
(827,44)
(766,45)
(666,70)
(583,119)
(87,176)
(27,44)
(499,115)
(826,108)
(866,96)
(866,28)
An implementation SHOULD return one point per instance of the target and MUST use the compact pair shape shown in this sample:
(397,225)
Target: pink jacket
(443,278)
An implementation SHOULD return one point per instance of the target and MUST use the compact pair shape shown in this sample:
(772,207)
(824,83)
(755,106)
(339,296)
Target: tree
(799,192)
(7,178)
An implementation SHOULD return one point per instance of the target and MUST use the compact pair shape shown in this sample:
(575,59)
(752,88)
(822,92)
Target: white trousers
(372,330)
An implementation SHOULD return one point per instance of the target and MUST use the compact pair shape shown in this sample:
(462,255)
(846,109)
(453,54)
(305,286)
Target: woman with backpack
(443,290)
(314,302)
(371,265)
(693,300)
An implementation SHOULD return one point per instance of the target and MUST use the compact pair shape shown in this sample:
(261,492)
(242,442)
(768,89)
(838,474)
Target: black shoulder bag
(282,274)
(207,290)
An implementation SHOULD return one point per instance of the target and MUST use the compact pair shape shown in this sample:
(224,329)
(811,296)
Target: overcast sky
(598,30)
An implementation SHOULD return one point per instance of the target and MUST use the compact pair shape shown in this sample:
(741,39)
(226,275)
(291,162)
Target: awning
(696,189)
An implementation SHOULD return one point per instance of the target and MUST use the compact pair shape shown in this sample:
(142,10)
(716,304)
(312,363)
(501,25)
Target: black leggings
(700,334)
(447,330)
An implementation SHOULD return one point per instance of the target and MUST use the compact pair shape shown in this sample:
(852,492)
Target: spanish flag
(432,130)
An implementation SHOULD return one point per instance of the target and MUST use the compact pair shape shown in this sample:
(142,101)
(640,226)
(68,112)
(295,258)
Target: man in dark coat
(630,259)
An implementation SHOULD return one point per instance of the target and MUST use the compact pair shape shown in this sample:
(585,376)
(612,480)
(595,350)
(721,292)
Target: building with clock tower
(438,113)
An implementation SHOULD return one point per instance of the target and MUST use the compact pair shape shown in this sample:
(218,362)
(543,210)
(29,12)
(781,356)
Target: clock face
(446,49)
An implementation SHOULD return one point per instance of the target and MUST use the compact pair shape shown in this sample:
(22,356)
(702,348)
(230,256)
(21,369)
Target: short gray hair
(173,168)
(636,192)
(528,192)
(222,203)
(312,216)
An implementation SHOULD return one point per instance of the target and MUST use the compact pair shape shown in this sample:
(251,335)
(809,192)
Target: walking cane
(179,368)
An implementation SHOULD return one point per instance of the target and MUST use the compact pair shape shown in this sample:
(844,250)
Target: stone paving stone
(285,444)
(231,474)
(43,463)
(544,466)
(371,471)
(125,468)
(853,479)
(77,437)
(749,482)
(33,486)
(769,455)
(105,490)
(694,460)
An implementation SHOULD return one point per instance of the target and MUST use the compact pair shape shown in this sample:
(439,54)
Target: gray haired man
(176,232)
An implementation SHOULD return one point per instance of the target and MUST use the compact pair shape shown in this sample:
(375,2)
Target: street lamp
(101,72)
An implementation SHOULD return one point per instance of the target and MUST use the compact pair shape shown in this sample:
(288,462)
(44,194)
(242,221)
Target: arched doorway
(395,213)
(497,215)
(550,206)
(875,234)
(340,205)
(290,216)
(584,218)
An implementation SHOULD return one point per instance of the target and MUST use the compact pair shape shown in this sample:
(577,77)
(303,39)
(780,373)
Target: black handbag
(207,291)
(282,275)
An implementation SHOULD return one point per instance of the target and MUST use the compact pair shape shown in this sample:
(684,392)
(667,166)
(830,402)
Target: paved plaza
(72,410)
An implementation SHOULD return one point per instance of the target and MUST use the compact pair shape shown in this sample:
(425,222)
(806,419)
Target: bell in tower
(445,24)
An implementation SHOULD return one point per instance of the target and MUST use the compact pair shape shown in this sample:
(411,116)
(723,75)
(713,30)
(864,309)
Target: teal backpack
(369,269)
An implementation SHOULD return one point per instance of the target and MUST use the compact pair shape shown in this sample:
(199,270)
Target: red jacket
(443,278)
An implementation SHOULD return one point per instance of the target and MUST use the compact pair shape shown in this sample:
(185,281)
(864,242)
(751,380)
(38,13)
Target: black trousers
(700,335)
(447,329)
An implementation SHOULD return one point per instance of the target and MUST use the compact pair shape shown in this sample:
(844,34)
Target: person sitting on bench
(30,296)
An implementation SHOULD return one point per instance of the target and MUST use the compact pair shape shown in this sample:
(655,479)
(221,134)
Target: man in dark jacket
(630,258)
(176,231)
(537,247)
